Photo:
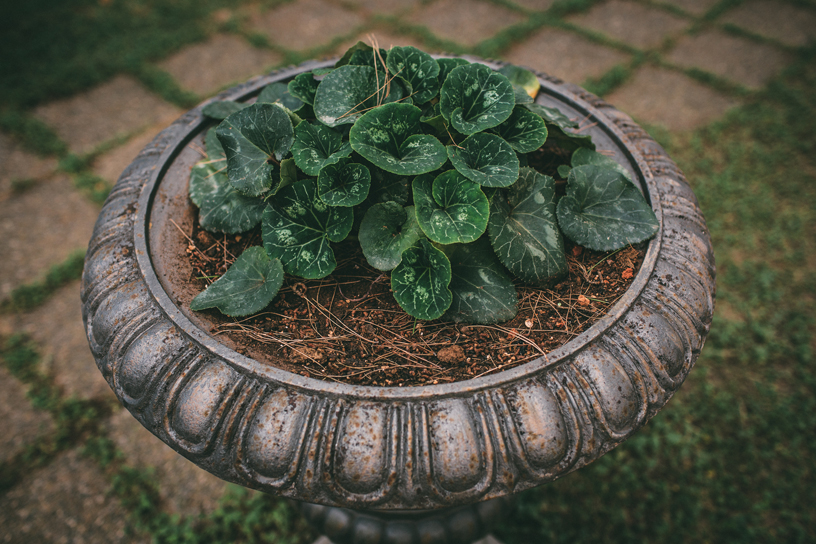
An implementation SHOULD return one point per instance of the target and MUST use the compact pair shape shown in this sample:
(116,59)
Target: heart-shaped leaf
(523,130)
(288,174)
(486,159)
(420,281)
(215,151)
(583,156)
(475,98)
(603,211)
(316,146)
(391,137)
(349,91)
(247,287)
(523,228)
(450,209)
(304,87)
(251,138)
(521,96)
(482,290)
(279,93)
(386,231)
(297,228)
(446,66)
(560,128)
(432,116)
(367,57)
(416,67)
(523,78)
(343,184)
(386,187)
(222,109)
(346,58)
(222,208)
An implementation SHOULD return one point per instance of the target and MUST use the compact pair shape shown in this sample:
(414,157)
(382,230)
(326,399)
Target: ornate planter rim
(398,448)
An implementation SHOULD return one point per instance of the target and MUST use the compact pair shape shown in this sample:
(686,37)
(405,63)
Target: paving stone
(695,7)
(41,227)
(57,328)
(565,55)
(660,96)
(535,5)
(110,165)
(67,501)
(118,107)
(18,164)
(184,488)
(636,24)
(781,21)
(207,67)
(467,22)
(20,423)
(386,7)
(305,24)
(744,61)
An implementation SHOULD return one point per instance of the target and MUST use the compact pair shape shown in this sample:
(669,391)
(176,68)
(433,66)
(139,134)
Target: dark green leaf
(474,98)
(304,87)
(316,146)
(416,67)
(222,208)
(346,58)
(349,91)
(486,159)
(482,290)
(248,286)
(279,93)
(560,128)
(523,130)
(298,226)
(451,208)
(521,96)
(432,116)
(584,156)
(251,137)
(603,211)
(215,151)
(420,281)
(386,186)
(391,137)
(288,174)
(523,228)
(386,231)
(368,58)
(446,66)
(523,78)
(563,171)
(222,109)
(343,184)
(552,116)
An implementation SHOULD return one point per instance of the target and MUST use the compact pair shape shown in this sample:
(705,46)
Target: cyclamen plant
(426,162)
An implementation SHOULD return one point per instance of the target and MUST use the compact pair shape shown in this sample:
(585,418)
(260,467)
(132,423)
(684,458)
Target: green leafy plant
(429,163)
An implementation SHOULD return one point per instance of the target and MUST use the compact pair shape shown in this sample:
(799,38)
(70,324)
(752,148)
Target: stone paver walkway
(669,53)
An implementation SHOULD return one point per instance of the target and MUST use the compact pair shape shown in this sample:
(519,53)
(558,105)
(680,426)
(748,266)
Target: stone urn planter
(388,465)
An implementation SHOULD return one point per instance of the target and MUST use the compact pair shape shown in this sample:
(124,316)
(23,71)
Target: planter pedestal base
(467,524)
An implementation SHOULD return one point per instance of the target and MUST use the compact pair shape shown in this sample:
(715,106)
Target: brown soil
(347,327)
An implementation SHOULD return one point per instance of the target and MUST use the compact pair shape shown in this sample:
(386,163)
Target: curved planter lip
(271,373)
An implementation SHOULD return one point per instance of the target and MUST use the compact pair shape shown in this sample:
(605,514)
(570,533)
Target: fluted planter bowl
(380,448)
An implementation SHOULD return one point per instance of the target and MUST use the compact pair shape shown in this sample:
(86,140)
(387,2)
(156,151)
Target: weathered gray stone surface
(65,502)
(206,67)
(116,108)
(465,21)
(20,423)
(18,164)
(535,5)
(565,55)
(385,38)
(41,227)
(781,21)
(738,59)
(387,7)
(660,96)
(56,327)
(636,24)
(306,24)
(184,488)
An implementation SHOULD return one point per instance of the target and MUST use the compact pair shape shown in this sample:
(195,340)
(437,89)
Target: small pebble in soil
(451,355)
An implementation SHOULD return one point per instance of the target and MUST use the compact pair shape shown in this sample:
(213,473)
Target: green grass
(31,295)
(728,459)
